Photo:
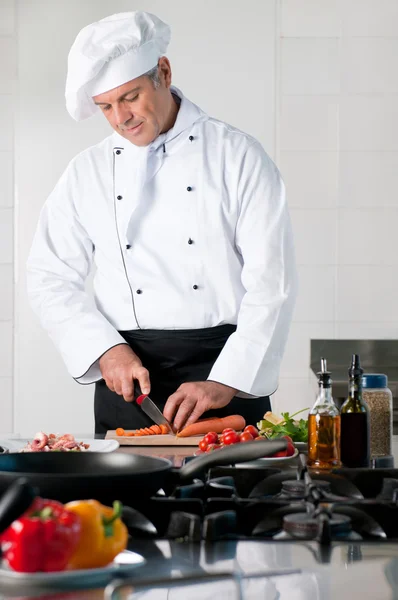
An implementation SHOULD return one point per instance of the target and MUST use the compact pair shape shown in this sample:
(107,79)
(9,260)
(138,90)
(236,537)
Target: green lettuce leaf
(297,430)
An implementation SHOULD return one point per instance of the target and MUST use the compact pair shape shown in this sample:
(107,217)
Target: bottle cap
(374,380)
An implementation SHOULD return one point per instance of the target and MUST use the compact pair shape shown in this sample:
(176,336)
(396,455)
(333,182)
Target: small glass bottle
(355,421)
(324,426)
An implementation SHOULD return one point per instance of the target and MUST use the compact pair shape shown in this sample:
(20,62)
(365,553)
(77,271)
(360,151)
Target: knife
(150,409)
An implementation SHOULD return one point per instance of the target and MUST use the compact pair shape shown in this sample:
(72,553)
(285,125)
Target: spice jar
(379,400)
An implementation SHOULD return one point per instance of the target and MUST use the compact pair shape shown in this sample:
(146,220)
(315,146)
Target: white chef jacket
(189,232)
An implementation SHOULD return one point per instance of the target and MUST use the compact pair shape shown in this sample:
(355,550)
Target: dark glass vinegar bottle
(355,421)
(324,426)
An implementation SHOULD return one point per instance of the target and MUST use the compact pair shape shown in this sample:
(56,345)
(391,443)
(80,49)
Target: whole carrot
(217,425)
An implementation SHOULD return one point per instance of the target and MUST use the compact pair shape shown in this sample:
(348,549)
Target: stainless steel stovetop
(253,569)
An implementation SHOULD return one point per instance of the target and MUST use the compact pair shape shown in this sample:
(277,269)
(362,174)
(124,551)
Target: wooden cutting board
(153,440)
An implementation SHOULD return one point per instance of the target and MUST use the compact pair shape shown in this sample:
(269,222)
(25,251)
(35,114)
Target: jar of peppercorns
(378,397)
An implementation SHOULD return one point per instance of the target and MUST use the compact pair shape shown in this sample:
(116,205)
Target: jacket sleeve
(58,265)
(251,358)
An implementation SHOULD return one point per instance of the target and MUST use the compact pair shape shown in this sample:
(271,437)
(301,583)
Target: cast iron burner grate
(237,503)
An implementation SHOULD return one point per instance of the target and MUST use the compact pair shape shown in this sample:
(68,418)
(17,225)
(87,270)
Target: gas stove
(251,503)
(265,532)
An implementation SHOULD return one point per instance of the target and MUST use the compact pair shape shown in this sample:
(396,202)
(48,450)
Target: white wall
(337,149)
(7,100)
(330,66)
(229,72)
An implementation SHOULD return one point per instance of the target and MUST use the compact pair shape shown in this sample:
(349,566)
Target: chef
(185,219)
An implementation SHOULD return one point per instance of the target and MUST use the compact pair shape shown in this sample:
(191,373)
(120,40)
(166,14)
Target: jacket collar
(187,115)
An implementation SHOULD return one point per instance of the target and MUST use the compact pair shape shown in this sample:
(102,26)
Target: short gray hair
(153,75)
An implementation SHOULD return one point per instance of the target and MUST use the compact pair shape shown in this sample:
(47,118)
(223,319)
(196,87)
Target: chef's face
(137,110)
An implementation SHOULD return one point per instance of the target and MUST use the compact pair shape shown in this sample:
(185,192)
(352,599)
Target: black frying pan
(130,478)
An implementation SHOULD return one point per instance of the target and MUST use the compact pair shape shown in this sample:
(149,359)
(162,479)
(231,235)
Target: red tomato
(203,445)
(231,437)
(227,430)
(252,430)
(280,454)
(211,438)
(212,447)
(290,450)
(288,438)
(246,436)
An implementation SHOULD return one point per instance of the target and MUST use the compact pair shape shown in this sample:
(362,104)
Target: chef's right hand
(120,366)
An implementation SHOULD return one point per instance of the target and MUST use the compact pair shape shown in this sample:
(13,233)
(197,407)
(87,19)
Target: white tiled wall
(338,153)
(337,148)
(7,100)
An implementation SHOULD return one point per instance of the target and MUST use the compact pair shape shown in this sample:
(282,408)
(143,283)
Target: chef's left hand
(192,399)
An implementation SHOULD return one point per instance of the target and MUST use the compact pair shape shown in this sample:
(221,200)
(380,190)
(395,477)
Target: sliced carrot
(156,429)
(148,431)
(130,433)
(164,429)
(141,431)
(120,431)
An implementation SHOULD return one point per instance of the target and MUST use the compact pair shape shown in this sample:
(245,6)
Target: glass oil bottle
(355,421)
(324,426)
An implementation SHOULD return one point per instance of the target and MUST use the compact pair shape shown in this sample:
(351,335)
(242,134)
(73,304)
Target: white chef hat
(109,53)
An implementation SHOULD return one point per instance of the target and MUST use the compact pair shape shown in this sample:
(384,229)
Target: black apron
(172,357)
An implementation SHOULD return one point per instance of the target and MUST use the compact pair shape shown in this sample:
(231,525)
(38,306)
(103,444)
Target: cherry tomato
(212,447)
(211,438)
(288,438)
(246,436)
(227,430)
(280,454)
(203,445)
(231,437)
(252,430)
(290,450)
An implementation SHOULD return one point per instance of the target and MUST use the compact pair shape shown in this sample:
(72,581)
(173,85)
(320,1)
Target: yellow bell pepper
(103,534)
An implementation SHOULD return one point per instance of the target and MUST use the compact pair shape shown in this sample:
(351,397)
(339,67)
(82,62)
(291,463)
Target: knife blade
(153,412)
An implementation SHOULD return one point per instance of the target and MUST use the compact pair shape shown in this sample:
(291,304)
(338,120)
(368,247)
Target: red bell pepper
(42,539)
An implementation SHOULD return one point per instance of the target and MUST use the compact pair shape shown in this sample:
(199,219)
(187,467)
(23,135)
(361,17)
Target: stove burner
(303,526)
(298,489)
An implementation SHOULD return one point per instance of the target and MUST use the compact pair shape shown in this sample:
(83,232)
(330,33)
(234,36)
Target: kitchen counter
(285,570)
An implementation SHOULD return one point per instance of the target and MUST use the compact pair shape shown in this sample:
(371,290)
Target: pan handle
(15,501)
(235,453)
